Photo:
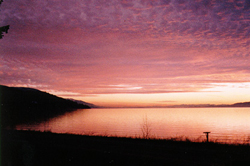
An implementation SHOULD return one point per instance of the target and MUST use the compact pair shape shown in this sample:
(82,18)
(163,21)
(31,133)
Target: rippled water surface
(225,124)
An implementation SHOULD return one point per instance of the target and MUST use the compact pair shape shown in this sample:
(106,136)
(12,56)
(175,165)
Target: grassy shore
(28,148)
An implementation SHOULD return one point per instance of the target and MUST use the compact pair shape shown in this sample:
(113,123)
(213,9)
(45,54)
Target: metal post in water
(206,135)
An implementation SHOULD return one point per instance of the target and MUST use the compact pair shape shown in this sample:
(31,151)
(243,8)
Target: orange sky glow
(129,53)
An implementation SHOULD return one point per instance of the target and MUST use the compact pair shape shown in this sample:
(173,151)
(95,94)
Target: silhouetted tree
(3,28)
(145,128)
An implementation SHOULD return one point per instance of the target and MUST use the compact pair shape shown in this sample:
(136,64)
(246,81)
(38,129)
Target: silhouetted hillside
(24,105)
(84,103)
(245,104)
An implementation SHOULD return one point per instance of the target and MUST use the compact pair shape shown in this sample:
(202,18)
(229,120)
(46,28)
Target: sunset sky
(129,52)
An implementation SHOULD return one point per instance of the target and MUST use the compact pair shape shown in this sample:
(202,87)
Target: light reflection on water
(225,124)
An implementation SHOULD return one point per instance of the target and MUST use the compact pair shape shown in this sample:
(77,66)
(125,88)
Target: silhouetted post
(206,135)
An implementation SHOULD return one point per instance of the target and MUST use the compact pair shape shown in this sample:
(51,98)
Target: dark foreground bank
(28,148)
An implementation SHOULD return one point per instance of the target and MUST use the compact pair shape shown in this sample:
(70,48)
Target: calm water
(225,124)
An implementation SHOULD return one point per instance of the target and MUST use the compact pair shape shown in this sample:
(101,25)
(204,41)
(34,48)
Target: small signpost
(206,135)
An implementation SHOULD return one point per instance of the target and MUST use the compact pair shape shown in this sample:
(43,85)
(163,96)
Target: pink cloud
(160,46)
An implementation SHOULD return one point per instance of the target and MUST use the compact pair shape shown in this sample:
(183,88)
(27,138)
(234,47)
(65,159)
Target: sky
(120,53)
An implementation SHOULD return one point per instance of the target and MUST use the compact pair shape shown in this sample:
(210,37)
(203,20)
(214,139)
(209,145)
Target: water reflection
(225,124)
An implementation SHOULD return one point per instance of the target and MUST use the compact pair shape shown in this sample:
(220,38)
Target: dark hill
(244,104)
(25,105)
(84,103)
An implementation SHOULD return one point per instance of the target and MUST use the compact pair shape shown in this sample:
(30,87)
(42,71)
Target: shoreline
(46,148)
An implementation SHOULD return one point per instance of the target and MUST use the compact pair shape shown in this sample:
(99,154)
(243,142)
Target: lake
(231,125)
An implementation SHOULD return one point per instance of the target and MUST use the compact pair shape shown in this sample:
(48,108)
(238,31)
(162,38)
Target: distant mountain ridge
(243,104)
(24,105)
(84,103)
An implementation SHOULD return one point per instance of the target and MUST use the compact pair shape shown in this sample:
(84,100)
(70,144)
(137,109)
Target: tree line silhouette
(3,29)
